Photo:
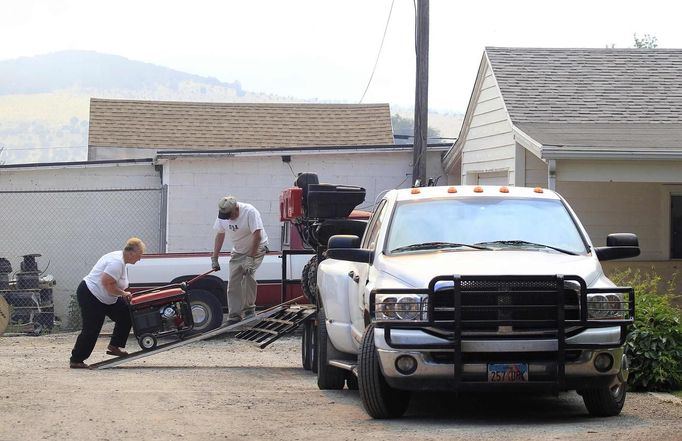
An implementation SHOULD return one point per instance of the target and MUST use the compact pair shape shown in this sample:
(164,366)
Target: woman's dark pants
(93,313)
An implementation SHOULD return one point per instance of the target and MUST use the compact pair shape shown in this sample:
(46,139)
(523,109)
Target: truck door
(361,273)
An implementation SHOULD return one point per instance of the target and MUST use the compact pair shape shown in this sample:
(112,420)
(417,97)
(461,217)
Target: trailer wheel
(328,377)
(147,342)
(207,313)
(314,346)
(351,381)
(378,398)
(307,343)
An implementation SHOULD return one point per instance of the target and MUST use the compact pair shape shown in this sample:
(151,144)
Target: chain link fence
(49,240)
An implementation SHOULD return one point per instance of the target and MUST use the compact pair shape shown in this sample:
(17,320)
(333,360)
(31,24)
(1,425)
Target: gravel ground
(228,389)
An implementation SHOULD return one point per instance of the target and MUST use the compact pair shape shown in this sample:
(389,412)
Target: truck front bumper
(435,368)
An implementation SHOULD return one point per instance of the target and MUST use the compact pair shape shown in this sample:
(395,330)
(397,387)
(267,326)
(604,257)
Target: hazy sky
(326,49)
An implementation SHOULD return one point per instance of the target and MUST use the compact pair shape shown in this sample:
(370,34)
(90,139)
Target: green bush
(74,320)
(654,343)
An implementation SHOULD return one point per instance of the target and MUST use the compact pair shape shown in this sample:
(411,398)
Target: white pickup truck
(473,288)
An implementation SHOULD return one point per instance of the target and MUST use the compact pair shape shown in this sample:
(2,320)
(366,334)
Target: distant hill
(92,70)
(44,100)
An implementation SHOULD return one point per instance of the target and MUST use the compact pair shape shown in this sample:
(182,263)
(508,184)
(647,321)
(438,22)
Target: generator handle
(200,276)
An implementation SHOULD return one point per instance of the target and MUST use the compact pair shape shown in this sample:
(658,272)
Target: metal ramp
(279,324)
(263,315)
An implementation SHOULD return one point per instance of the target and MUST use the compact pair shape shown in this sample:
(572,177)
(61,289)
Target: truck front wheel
(605,401)
(207,312)
(328,377)
(379,399)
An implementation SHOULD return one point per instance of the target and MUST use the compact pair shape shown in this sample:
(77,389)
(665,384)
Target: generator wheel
(312,279)
(147,342)
(304,282)
(207,312)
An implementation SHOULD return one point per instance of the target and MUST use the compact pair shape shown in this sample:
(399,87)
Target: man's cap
(225,206)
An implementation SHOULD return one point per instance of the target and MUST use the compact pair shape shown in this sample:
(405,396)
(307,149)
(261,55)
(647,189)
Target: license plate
(508,373)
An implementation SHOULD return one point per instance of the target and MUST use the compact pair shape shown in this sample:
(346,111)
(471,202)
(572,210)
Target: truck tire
(379,399)
(604,401)
(206,311)
(328,377)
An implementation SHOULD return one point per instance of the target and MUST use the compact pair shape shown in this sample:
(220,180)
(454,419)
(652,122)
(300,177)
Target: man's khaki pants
(241,288)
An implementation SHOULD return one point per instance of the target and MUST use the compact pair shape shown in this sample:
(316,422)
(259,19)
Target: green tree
(405,126)
(646,42)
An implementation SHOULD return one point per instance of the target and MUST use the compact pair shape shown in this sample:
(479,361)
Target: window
(676,227)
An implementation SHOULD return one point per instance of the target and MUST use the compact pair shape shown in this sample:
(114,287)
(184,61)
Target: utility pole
(421,98)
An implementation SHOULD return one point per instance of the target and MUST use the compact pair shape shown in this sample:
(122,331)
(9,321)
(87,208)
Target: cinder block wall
(196,184)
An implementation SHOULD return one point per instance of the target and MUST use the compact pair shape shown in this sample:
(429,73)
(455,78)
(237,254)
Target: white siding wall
(195,185)
(638,208)
(489,145)
(536,171)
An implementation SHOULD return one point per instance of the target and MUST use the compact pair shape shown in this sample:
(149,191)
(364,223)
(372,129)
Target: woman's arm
(112,288)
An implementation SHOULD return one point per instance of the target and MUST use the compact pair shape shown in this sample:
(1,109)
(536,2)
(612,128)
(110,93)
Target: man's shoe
(78,365)
(249,314)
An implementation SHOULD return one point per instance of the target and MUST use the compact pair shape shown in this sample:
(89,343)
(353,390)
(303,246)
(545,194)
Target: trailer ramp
(281,323)
(241,326)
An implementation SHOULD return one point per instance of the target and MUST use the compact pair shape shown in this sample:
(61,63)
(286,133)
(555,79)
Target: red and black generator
(160,312)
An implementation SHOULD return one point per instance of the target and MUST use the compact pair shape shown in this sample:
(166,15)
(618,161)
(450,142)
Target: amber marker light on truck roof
(415,191)
(452,190)
(504,190)
(538,190)
(478,189)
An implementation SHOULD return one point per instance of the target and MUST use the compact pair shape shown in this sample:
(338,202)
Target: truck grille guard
(524,306)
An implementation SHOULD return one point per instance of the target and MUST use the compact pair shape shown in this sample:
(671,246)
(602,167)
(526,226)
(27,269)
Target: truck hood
(417,269)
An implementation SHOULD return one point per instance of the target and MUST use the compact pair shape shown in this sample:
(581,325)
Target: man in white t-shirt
(243,226)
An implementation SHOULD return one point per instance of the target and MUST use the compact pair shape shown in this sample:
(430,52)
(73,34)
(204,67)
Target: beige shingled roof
(205,126)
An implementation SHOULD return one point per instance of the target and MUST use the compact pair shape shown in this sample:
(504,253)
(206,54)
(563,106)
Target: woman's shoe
(78,365)
(113,350)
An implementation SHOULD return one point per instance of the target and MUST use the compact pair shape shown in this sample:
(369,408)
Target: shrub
(654,343)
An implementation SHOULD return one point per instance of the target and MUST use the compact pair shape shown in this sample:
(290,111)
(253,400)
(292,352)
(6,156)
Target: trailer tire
(379,399)
(328,377)
(351,381)
(207,312)
(307,344)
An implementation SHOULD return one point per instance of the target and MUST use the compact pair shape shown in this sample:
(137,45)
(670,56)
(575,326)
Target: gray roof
(621,98)
(193,125)
(590,85)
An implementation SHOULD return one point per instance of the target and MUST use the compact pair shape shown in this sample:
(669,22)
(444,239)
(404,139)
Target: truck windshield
(495,223)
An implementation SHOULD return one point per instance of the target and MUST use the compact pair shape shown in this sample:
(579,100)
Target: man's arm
(218,243)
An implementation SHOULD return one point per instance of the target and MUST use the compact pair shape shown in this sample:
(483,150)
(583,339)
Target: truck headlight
(606,306)
(407,307)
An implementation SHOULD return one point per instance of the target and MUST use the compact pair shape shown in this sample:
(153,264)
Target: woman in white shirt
(102,293)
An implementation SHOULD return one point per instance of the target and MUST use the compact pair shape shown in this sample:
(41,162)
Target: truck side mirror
(619,246)
(345,247)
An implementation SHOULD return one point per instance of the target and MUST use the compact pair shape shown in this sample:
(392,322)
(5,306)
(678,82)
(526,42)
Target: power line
(388,20)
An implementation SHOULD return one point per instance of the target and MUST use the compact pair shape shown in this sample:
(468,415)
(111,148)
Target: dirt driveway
(227,389)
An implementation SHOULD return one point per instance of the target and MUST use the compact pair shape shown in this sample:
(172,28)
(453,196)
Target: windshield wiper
(526,243)
(437,245)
